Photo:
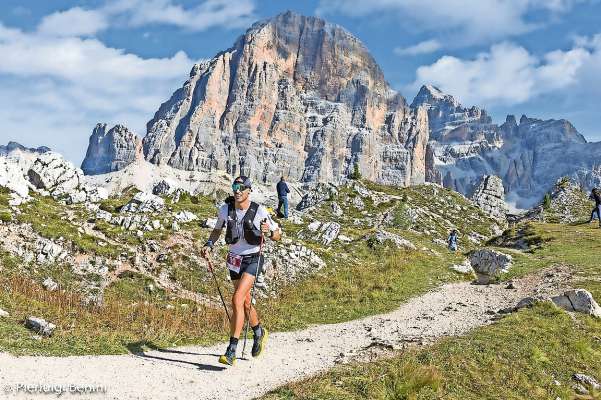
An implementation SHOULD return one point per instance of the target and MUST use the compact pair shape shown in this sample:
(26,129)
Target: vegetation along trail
(193,372)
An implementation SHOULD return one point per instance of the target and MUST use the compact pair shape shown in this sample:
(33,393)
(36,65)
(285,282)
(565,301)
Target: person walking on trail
(596,196)
(282,189)
(452,240)
(247,224)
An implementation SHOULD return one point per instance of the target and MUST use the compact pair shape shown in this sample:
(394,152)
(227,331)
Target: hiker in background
(596,196)
(247,223)
(452,240)
(282,189)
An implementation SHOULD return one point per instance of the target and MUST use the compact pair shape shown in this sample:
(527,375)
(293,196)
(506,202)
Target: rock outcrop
(579,300)
(111,150)
(490,196)
(52,173)
(489,264)
(296,96)
(529,155)
(566,203)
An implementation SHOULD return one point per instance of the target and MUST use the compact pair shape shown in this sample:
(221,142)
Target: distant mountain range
(301,97)
(529,156)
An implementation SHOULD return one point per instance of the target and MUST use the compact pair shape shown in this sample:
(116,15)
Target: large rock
(567,203)
(529,155)
(382,237)
(296,96)
(490,197)
(111,150)
(3,313)
(51,172)
(144,202)
(316,194)
(489,264)
(185,216)
(40,326)
(579,300)
(286,263)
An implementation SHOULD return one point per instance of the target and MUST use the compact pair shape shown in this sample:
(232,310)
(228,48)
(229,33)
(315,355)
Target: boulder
(40,326)
(3,313)
(358,203)
(578,300)
(489,264)
(185,216)
(144,202)
(316,194)
(286,263)
(164,187)
(381,237)
(587,380)
(336,210)
(47,251)
(87,194)
(49,284)
(51,172)
(314,226)
(328,232)
(463,268)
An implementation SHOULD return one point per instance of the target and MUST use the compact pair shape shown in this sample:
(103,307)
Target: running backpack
(232,233)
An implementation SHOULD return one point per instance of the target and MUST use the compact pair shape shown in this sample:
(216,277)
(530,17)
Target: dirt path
(193,372)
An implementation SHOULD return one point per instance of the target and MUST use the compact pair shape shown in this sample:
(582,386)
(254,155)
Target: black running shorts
(250,265)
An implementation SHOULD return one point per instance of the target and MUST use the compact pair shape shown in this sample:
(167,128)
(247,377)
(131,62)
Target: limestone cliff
(296,96)
(111,150)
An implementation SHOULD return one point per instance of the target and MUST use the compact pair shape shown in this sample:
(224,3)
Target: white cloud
(458,22)
(508,74)
(425,47)
(55,89)
(210,13)
(73,22)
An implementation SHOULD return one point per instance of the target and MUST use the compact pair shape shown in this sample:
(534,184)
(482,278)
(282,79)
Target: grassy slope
(359,280)
(517,358)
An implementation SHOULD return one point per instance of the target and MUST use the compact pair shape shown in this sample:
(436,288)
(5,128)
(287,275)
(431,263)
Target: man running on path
(283,191)
(241,217)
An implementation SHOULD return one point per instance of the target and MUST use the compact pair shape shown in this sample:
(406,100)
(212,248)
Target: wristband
(271,234)
(209,244)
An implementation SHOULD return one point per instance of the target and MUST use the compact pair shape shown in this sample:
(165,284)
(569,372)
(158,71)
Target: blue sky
(70,64)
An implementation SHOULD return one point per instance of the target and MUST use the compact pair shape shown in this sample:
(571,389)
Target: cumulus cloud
(57,88)
(210,13)
(508,74)
(425,47)
(77,21)
(73,22)
(462,22)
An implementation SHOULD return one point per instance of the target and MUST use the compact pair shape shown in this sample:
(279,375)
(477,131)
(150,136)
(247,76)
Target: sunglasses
(239,187)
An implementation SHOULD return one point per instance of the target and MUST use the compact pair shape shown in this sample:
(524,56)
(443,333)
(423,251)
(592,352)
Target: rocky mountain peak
(430,95)
(12,146)
(111,149)
(445,113)
(297,96)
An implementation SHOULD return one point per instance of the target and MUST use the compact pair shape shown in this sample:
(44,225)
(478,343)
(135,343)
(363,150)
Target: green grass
(131,315)
(519,357)
(49,219)
(357,281)
(379,282)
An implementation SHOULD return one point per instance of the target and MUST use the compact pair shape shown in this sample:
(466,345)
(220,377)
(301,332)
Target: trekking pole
(252,294)
(218,288)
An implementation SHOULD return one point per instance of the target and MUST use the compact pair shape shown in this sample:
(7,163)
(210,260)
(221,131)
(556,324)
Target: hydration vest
(250,233)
